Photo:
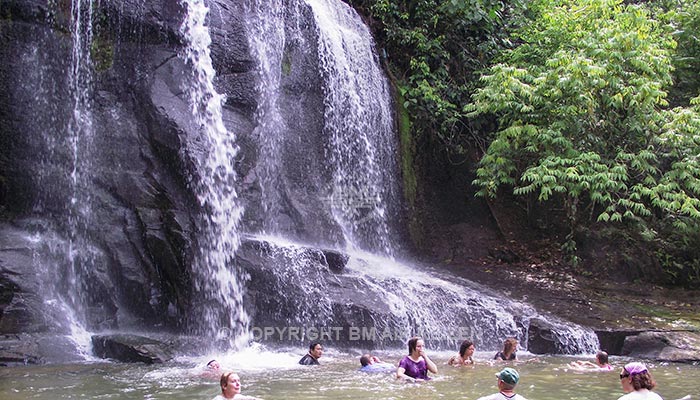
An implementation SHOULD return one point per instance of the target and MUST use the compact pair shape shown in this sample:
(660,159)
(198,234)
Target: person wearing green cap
(507,380)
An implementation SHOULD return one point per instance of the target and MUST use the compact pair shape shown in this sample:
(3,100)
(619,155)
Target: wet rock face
(133,176)
(680,346)
(130,203)
(131,348)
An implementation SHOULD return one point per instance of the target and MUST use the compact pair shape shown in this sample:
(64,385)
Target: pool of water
(275,375)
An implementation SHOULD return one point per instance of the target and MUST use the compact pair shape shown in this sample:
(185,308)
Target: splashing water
(357,134)
(218,286)
(358,118)
(402,301)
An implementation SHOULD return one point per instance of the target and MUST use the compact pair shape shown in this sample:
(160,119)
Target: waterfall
(218,288)
(352,181)
(80,132)
(357,154)
(62,253)
(67,259)
(267,38)
(358,117)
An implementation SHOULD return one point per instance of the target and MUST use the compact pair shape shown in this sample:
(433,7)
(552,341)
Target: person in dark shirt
(315,352)
(510,345)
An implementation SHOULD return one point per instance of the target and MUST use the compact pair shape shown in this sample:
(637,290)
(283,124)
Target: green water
(275,376)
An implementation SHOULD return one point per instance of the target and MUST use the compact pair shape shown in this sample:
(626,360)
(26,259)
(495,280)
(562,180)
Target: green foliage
(583,118)
(435,47)
(682,18)
(407,151)
(101,53)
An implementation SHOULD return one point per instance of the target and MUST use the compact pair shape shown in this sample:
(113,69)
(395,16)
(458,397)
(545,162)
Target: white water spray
(358,118)
(218,289)
(357,135)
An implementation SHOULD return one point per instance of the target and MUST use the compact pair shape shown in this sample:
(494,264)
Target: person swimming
(601,363)
(510,346)
(464,357)
(370,363)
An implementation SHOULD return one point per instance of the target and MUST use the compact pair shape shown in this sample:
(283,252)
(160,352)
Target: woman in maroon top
(415,366)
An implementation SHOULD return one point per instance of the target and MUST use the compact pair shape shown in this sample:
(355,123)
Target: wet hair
(602,357)
(464,347)
(412,343)
(365,360)
(510,345)
(642,380)
(313,345)
(224,379)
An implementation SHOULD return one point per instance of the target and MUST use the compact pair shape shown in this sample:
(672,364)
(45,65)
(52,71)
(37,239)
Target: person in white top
(231,388)
(507,380)
(637,382)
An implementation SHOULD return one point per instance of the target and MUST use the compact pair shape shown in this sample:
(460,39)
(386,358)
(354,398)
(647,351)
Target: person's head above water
(635,376)
(213,365)
(365,360)
(415,345)
(466,349)
(315,350)
(602,358)
(508,378)
(230,384)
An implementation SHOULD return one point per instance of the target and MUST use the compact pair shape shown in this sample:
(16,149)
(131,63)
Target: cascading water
(358,119)
(218,290)
(80,134)
(399,302)
(267,37)
(358,191)
(72,260)
(357,123)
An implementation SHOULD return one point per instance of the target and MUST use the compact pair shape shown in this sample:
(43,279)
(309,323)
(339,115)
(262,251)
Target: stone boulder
(131,348)
(309,286)
(674,346)
(26,348)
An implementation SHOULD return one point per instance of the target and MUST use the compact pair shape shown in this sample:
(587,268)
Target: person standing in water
(507,380)
(415,366)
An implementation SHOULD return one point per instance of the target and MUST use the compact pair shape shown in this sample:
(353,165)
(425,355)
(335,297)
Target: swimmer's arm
(400,374)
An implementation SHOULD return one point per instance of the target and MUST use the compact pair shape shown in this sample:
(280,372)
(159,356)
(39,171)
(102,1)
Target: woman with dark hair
(637,382)
(415,366)
(466,350)
(510,345)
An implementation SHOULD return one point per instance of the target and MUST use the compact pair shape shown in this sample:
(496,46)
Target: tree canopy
(594,105)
